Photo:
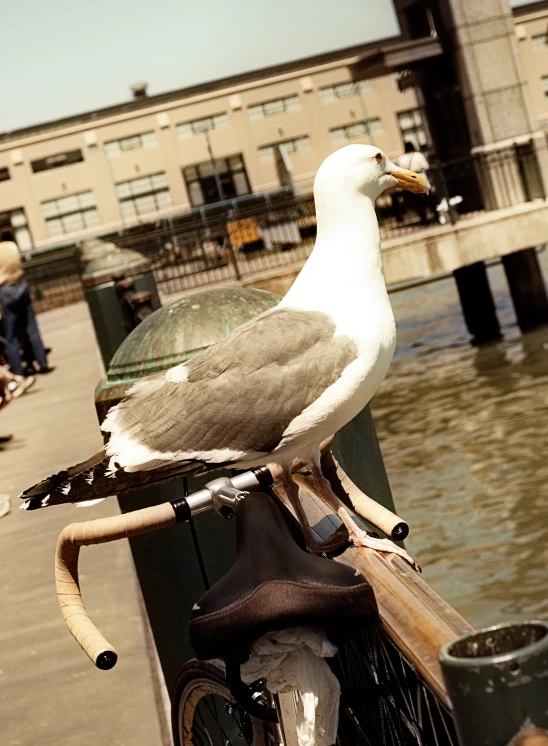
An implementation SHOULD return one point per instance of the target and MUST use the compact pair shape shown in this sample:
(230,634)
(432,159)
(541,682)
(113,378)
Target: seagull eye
(377,157)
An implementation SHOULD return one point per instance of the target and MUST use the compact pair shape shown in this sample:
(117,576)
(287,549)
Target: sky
(63,57)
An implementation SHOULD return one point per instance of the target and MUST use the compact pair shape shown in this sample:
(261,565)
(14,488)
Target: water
(464,433)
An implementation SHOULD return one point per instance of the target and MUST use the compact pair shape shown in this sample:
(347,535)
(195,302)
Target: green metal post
(497,680)
(100,294)
(358,452)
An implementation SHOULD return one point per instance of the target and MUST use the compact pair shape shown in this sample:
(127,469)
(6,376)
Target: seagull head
(363,169)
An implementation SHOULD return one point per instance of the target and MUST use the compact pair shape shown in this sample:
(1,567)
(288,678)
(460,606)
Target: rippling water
(464,433)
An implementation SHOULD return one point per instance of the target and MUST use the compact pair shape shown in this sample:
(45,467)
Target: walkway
(50,693)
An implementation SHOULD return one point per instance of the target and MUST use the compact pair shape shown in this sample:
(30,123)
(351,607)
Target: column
(495,93)
(478,306)
(527,288)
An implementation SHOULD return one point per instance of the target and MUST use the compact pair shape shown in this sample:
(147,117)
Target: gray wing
(238,396)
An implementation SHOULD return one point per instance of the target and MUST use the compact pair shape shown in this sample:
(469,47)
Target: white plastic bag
(293,660)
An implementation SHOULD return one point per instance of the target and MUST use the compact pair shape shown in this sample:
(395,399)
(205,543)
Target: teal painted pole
(497,680)
(358,452)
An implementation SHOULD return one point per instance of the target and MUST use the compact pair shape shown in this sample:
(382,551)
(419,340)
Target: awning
(395,57)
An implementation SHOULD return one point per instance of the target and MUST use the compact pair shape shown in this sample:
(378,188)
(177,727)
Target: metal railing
(54,279)
(258,234)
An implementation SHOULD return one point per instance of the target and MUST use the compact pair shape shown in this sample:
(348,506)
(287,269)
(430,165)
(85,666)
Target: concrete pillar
(527,288)
(495,93)
(491,76)
(477,302)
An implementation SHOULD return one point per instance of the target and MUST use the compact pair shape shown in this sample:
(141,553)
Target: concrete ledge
(485,236)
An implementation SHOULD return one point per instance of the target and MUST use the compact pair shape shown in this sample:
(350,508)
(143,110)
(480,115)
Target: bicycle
(210,703)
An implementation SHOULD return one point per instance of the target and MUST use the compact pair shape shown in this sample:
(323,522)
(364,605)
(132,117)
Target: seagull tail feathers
(94,479)
(74,484)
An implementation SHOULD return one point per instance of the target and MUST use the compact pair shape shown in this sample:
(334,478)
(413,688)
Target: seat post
(243,694)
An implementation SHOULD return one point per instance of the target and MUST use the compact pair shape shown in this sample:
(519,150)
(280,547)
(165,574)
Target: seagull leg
(291,489)
(357,536)
(314,546)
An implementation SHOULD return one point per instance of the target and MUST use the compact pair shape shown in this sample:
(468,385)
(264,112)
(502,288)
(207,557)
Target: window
(56,161)
(276,106)
(69,214)
(143,195)
(14,224)
(215,122)
(359,129)
(201,181)
(298,145)
(114,148)
(344,90)
(4,174)
(413,128)
(540,41)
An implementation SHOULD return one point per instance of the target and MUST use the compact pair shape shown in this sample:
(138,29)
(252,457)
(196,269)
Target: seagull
(278,386)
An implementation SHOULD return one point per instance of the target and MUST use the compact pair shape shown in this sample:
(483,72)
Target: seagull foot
(361,538)
(337,541)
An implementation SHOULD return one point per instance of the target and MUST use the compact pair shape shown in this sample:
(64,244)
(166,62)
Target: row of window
(141,196)
(137,197)
(337,134)
(205,184)
(273,107)
(114,148)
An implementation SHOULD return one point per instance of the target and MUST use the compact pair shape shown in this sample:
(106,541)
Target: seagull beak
(410,180)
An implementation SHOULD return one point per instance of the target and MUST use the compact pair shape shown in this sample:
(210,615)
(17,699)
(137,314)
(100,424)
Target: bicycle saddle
(274,584)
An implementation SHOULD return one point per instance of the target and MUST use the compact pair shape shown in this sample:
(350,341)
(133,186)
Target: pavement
(50,692)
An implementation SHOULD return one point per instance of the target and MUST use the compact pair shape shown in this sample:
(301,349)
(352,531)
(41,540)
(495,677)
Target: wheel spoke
(207,716)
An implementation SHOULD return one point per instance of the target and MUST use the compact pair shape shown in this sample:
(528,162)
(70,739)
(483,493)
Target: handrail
(414,616)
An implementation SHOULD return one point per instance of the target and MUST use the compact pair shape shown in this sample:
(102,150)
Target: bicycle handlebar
(103,530)
(99,531)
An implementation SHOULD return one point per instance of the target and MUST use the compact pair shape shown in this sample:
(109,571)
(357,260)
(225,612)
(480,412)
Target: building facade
(152,157)
(531,22)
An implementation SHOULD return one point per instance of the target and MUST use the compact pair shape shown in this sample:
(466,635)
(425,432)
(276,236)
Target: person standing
(18,319)
(414,160)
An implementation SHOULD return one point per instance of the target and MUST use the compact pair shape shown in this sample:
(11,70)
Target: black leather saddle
(274,584)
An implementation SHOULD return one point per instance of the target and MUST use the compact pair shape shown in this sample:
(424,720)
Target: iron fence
(250,236)
(54,279)
(237,242)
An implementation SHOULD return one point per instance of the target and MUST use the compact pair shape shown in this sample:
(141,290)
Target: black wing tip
(43,488)
(32,503)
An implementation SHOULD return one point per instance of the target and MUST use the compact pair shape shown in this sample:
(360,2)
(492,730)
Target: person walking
(18,319)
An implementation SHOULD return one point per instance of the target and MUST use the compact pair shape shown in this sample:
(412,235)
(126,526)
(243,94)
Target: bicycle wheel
(203,712)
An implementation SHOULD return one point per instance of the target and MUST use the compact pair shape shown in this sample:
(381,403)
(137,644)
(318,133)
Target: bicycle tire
(203,711)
